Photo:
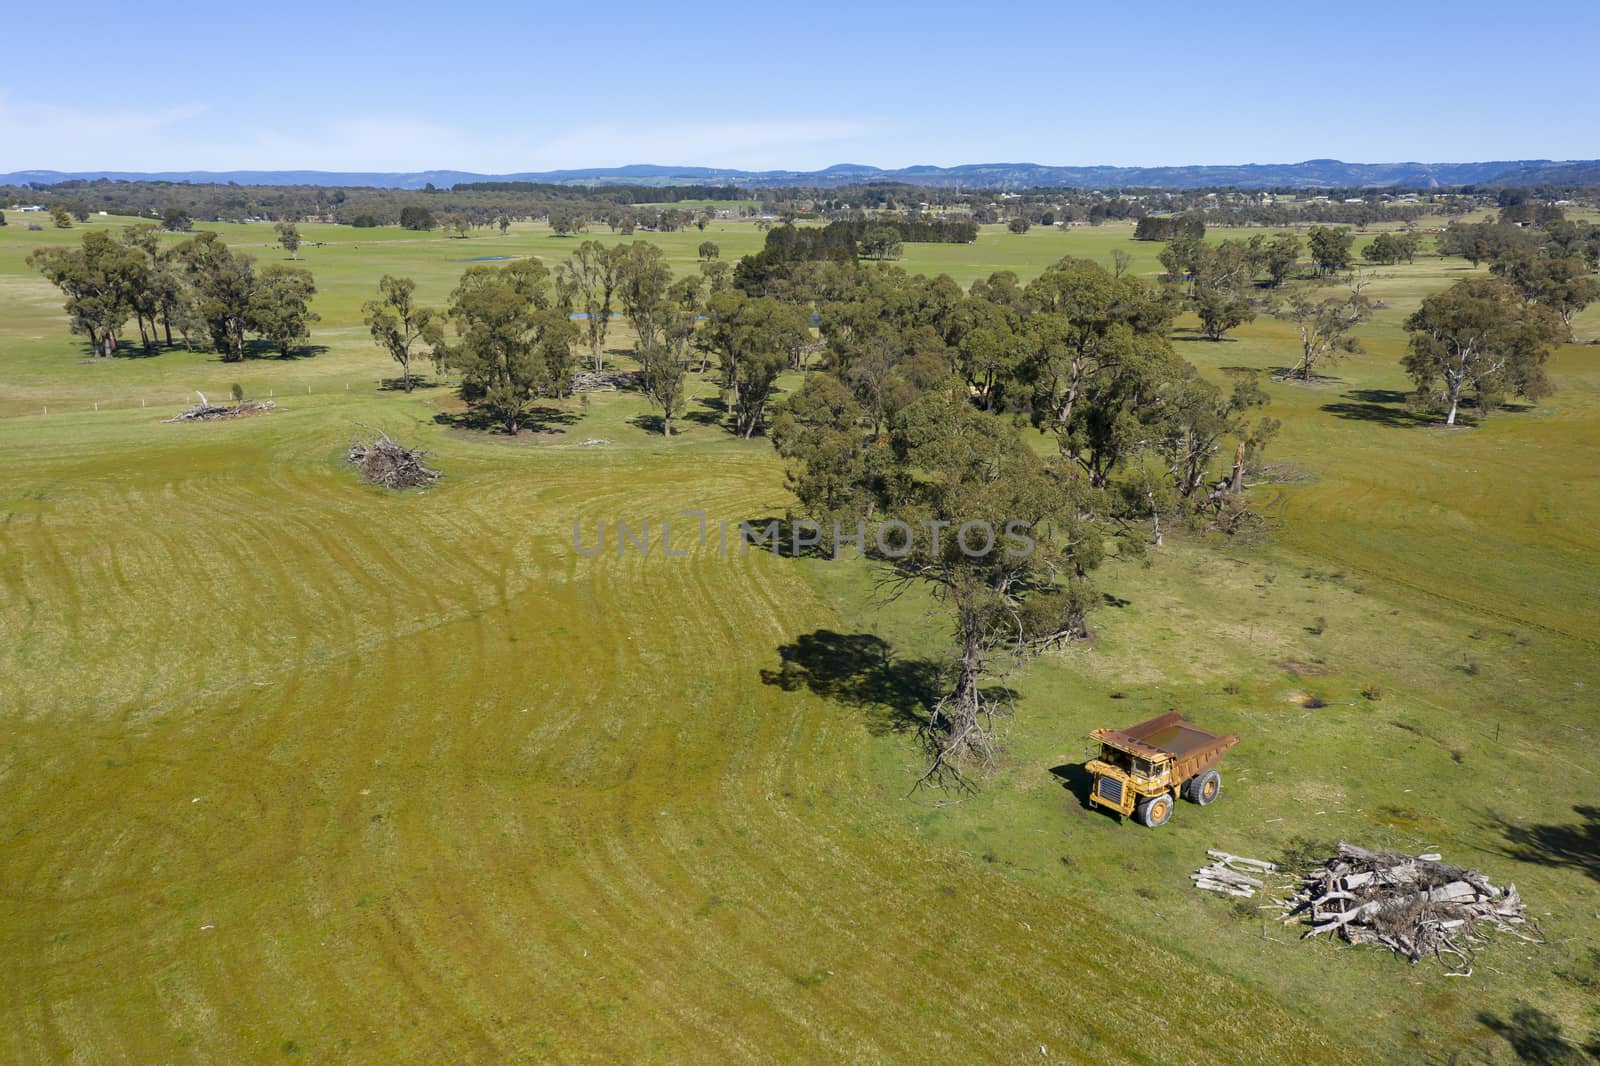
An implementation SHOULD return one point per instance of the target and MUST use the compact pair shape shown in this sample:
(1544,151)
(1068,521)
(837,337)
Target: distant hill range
(1312,174)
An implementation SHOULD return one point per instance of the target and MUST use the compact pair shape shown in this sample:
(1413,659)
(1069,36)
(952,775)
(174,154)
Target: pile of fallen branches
(1415,906)
(384,462)
(210,412)
(592,381)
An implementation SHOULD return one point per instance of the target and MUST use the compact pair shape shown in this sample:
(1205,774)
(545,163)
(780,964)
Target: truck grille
(1111,789)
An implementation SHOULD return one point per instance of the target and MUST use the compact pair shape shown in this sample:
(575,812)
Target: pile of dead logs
(210,412)
(384,462)
(1233,875)
(608,381)
(1415,906)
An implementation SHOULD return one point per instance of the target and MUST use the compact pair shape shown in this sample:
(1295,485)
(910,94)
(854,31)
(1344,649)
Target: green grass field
(298,770)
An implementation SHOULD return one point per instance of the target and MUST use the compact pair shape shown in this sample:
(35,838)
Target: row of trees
(1487,338)
(1387,249)
(565,220)
(1488,242)
(512,343)
(912,418)
(514,330)
(1228,283)
(199,289)
(1552,267)
(914,394)
(1170,227)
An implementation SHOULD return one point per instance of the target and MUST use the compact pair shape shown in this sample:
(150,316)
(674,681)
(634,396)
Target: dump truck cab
(1142,770)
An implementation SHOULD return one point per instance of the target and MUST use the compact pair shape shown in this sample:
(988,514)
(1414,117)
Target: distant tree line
(916,230)
(612,194)
(789,254)
(790,250)
(627,207)
(1338,214)
(647,207)
(1170,227)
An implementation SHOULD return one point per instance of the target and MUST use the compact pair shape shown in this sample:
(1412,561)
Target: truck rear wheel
(1155,810)
(1205,788)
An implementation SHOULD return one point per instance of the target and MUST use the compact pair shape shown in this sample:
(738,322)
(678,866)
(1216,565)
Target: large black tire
(1154,811)
(1204,788)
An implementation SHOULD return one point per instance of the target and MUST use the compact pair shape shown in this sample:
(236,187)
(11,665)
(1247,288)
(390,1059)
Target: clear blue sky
(498,87)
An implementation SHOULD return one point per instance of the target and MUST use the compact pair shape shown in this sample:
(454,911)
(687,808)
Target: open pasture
(296,769)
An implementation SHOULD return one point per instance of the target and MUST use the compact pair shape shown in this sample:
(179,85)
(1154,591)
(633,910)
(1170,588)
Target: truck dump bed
(1191,748)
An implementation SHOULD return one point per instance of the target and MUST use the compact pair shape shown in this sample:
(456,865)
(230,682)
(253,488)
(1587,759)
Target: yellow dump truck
(1142,769)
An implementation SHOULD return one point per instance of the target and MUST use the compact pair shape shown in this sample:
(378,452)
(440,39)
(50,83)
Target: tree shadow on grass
(535,420)
(260,349)
(127,349)
(792,540)
(861,670)
(1386,407)
(1388,396)
(1536,1037)
(1568,845)
(652,424)
(418,381)
(707,411)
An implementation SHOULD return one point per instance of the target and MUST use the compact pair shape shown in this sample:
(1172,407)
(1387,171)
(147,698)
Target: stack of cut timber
(1231,874)
(1416,907)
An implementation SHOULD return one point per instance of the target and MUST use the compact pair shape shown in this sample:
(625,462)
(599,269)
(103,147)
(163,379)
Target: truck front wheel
(1155,810)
